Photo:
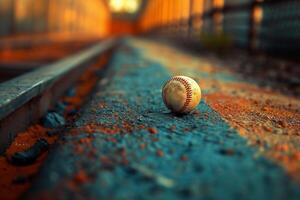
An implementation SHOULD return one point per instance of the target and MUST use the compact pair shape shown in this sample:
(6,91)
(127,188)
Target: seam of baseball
(189,92)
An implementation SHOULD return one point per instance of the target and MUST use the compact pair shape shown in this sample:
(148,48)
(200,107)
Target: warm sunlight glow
(258,14)
(218,3)
(127,6)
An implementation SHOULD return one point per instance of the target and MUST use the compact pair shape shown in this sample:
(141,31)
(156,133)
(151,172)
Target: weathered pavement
(126,145)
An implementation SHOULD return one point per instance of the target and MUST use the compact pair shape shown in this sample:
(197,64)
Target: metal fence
(271,26)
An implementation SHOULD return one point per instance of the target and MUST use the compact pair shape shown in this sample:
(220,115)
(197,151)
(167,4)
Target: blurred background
(260,27)
(267,25)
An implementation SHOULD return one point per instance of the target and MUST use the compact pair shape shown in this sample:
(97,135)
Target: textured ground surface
(126,144)
(16,179)
(268,119)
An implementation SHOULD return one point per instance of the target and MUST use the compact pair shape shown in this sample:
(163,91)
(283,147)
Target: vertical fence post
(252,35)
(168,18)
(12,20)
(46,17)
(213,16)
(162,20)
(191,19)
(217,13)
(179,18)
(251,31)
(171,20)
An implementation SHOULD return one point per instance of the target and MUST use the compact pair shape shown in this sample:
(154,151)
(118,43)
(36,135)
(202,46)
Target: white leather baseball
(181,94)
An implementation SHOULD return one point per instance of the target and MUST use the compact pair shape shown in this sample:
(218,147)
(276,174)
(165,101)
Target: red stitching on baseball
(188,89)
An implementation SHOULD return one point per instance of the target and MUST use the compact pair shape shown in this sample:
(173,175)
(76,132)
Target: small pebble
(28,156)
(81,177)
(71,92)
(53,120)
(228,152)
(183,158)
(283,124)
(159,153)
(152,130)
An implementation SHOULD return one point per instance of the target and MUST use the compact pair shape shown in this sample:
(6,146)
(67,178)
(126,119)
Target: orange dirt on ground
(273,128)
(86,83)
(15,180)
(269,120)
(11,183)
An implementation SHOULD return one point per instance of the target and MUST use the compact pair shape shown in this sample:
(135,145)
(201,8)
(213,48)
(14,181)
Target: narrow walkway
(126,145)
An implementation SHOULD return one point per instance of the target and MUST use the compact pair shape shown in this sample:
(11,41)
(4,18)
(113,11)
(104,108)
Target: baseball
(181,94)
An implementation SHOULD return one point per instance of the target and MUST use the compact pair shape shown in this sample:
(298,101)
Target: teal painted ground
(201,157)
